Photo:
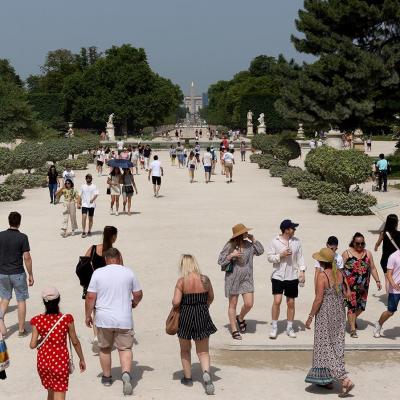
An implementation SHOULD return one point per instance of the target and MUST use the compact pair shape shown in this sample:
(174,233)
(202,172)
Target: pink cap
(50,293)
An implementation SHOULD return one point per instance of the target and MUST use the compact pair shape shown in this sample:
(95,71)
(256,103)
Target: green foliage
(29,155)
(26,181)
(75,164)
(11,193)
(7,72)
(318,159)
(148,130)
(265,143)
(312,190)
(7,161)
(278,170)
(286,150)
(353,203)
(88,158)
(49,108)
(56,149)
(75,145)
(256,157)
(293,177)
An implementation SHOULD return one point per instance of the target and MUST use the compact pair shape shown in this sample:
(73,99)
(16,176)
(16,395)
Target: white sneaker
(377,330)
(116,213)
(290,332)
(274,333)
(111,211)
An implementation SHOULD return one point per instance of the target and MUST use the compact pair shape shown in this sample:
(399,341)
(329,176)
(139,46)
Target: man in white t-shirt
(87,201)
(100,158)
(113,291)
(207,163)
(68,174)
(229,160)
(156,171)
(120,145)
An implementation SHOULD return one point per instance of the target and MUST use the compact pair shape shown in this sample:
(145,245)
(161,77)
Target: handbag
(84,269)
(4,357)
(172,323)
(228,268)
(108,190)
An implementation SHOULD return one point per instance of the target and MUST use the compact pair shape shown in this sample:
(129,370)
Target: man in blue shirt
(382,165)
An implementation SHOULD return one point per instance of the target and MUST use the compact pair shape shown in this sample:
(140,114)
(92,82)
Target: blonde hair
(187,265)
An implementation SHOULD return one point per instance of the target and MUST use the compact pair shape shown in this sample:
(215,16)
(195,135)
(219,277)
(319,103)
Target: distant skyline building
(193,102)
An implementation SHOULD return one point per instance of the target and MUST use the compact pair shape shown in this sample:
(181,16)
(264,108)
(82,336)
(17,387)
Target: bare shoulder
(205,280)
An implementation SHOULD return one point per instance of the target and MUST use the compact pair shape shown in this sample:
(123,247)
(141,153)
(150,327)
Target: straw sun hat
(239,229)
(324,255)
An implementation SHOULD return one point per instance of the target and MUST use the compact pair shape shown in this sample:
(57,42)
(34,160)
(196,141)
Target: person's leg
(117,203)
(129,204)
(50,394)
(203,353)
(112,203)
(105,361)
(158,188)
(125,358)
(84,222)
(380,179)
(231,173)
(233,300)
(351,317)
(155,189)
(384,317)
(276,307)
(59,395)
(72,214)
(186,347)
(248,302)
(21,315)
(124,201)
(66,217)
(4,306)
(54,191)
(385,181)
(90,224)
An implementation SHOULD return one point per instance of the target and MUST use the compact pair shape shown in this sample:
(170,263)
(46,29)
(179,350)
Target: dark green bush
(353,203)
(256,157)
(317,160)
(295,176)
(27,181)
(278,170)
(264,143)
(7,161)
(57,149)
(29,155)
(312,190)
(74,164)
(87,157)
(286,149)
(75,145)
(11,193)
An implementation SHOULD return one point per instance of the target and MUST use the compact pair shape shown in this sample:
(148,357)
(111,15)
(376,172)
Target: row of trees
(353,82)
(86,88)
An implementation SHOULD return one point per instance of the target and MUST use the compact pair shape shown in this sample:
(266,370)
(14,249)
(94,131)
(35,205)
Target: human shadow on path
(382,298)
(362,324)
(337,388)
(14,328)
(197,373)
(251,325)
(392,333)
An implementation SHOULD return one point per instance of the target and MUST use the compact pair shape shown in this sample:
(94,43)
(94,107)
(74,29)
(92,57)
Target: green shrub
(75,164)
(295,176)
(56,149)
(353,203)
(7,161)
(87,157)
(312,190)
(26,181)
(43,170)
(10,192)
(29,155)
(148,130)
(317,160)
(256,157)
(264,143)
(75,145)
(278,170)
(287,149)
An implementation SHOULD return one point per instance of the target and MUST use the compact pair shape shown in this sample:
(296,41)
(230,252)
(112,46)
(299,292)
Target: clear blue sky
(185,40)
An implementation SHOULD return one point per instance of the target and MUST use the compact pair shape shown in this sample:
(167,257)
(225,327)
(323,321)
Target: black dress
(194,320)
(388,248)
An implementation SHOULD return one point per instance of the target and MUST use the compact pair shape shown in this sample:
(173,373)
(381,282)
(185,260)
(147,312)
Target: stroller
(375,180)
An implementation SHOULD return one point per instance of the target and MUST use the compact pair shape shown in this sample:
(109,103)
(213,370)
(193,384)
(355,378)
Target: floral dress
(357,272)
(53,355)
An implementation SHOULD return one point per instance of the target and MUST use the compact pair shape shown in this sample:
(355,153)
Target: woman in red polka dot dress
(53,355)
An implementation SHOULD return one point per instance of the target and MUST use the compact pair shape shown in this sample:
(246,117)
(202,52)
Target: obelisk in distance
(192,100)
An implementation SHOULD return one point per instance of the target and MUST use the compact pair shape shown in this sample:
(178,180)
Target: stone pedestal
(358,142)
(261,129)
(111,132)
(250,131)
(334,139)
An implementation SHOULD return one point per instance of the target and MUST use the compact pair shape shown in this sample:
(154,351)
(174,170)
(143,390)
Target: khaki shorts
(121,338)
(229,167)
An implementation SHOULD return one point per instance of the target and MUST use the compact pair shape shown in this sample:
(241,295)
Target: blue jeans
(52,190)
(16,282)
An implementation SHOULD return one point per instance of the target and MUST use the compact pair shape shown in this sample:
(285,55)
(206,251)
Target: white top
(155,167)
(87,193)
(68,175)
(120,144)
(228,158)
(114,285)
(207,157)
(100,155)
(286,269)
(135,156)
(338,259)
(231,146)
(394,266)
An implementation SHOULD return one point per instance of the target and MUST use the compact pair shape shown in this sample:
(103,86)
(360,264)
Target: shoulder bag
(392,241)
(172,322)
(84,268)
(71,366)
(4,358)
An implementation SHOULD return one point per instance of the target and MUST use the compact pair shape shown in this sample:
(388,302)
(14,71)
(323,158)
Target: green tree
(7,72)
(7,161)
(29,155)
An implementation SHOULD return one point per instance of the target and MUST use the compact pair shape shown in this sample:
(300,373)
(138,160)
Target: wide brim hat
(239,229)
(324,255)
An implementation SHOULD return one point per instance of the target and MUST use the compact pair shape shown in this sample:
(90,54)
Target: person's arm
(257,246)
(162,171)
(379,241)
(149,173)
(94,197)
(301,264)
(210,297)
(137,298)
(274,257)
(28,266)
(77,345)
(374,271)
(316,274)
(34,338)
(319,296)
(90,302)
(176,300)
(393,284)
(134,185)
(59,193)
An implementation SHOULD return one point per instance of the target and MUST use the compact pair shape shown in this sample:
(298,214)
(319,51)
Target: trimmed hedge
(7,161)
(312,190)
(255,158)
(317,160)
(353,203)
(76,164)
(278,170)
(293,178)
(27,181)
(11,192)
(87,157)
(29,155)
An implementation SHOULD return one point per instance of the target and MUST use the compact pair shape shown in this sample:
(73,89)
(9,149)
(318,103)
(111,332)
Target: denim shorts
(393,301)
(16,282)
(207,168)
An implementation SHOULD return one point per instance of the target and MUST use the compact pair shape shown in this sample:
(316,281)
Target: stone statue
(249,118)
(110,119)
(110,128)
(261,126)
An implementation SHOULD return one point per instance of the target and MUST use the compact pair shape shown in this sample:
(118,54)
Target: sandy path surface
(192,218)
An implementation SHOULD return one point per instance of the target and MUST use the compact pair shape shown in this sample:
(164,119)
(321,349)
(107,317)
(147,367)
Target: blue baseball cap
(287,224)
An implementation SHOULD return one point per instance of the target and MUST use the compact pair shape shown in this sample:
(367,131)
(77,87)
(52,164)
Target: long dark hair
(391,224)
(356,235)
(115,171)
(52,306)
(108,233)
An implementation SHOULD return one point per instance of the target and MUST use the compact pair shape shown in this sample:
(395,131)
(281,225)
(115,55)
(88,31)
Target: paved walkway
(193,218)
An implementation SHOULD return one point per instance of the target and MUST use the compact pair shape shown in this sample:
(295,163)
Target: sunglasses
(359,243)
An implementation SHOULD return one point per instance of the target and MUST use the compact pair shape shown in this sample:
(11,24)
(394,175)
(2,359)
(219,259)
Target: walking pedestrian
(87,201)
(14,253)
(172,154)
(147,155)
(191,165)
(100,159)
(236,259)
(50,333)
(288,271)
(194,295)
(207,163)
(214,160)
(229,161)
(369,144)
(71,199)
(114,183)
(358,267)
(52,182)
(68,173)
(114,290)
(180,155)
(128,186)
(135,158)
(243,150)
(156,171)
(382,166)
(330,325)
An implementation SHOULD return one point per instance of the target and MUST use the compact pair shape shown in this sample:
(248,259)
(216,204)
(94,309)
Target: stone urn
(334,139)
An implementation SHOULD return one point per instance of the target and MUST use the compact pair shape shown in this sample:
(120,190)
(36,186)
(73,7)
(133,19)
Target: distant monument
(261,124)
(194,104)
(250,131)
(300,132)
(110,128)
(70,130)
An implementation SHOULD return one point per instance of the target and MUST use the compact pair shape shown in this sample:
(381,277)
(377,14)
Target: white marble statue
(110,128)
(249,118)
(110,119)
(261,122)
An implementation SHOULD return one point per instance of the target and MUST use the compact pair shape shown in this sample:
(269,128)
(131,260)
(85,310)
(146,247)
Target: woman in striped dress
(194,294)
